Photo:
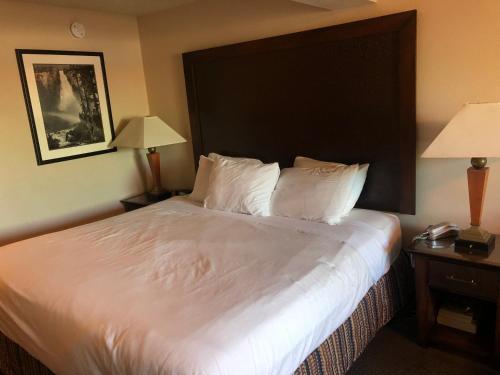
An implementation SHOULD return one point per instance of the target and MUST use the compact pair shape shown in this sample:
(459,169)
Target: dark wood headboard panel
(343,93)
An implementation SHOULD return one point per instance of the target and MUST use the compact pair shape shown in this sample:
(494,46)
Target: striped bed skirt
(333,357)
(388,296)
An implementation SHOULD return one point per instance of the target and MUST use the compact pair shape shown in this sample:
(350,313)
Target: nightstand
(441,272)
(142,200)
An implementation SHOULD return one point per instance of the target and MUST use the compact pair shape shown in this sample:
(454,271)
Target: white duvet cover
(177,289)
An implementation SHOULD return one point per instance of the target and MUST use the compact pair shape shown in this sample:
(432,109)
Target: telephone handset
(441,230)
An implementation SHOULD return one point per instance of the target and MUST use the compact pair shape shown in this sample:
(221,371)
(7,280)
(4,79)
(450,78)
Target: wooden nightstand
(441,272)
(142,200)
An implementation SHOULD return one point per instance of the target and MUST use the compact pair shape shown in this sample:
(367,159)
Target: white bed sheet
(177,289)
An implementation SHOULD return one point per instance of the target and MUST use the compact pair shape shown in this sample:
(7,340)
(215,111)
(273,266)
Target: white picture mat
(29,60)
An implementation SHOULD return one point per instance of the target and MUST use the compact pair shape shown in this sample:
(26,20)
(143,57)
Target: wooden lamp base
(475,239)
(154,163)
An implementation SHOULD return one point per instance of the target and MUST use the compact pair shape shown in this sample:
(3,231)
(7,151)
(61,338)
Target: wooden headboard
(343,93)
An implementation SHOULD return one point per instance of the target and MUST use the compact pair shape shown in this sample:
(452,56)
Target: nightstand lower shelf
(443,276)
(473,345)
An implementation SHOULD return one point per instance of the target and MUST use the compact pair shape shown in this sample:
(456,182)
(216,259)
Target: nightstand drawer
(466,280)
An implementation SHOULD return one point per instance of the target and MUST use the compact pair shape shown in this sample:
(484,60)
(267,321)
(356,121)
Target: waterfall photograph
(68,104)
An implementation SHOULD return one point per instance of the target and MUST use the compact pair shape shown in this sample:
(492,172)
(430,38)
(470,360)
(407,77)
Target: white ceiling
(132,7)
(335,4)
(139,7)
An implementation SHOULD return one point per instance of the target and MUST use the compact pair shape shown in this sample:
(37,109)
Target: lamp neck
(478,163)
(152,150)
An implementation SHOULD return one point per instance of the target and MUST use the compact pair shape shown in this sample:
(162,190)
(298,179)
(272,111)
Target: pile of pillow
(311,190)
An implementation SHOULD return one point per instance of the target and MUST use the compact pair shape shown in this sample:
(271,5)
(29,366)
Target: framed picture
(67,100)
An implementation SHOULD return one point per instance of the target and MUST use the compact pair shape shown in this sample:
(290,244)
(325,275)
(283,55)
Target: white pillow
(203,174)
(215,156)
(357,186)
(201,181)
(317,194)
(241,187)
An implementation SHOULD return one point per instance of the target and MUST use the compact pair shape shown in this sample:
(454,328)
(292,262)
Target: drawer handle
(463,281)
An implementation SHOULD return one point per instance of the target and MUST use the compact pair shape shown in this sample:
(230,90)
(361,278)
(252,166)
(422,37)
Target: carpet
(394,351)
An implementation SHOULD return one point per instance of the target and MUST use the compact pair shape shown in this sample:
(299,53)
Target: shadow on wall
(141,167)
(138,156)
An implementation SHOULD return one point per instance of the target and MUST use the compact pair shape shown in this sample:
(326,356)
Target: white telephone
(441,230)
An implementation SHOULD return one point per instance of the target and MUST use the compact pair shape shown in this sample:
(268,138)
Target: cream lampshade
(149,132)
(473,133)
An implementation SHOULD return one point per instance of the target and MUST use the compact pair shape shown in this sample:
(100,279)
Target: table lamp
(149,132)
(473,133)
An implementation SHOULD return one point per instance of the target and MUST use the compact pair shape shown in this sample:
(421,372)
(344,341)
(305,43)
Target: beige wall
(458,55)
(458,61)
(34,199)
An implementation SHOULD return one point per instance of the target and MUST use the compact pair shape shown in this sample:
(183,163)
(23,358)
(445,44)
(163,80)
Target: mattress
(177,289)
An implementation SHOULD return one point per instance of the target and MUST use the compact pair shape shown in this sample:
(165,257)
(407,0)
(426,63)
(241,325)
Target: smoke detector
(77,29)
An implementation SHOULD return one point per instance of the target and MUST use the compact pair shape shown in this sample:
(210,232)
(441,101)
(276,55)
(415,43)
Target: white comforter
(178,289)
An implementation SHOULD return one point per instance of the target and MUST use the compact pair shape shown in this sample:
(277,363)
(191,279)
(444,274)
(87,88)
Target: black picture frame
(32,99)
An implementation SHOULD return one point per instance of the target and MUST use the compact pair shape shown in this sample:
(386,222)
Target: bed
(178,289)
(193,291)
